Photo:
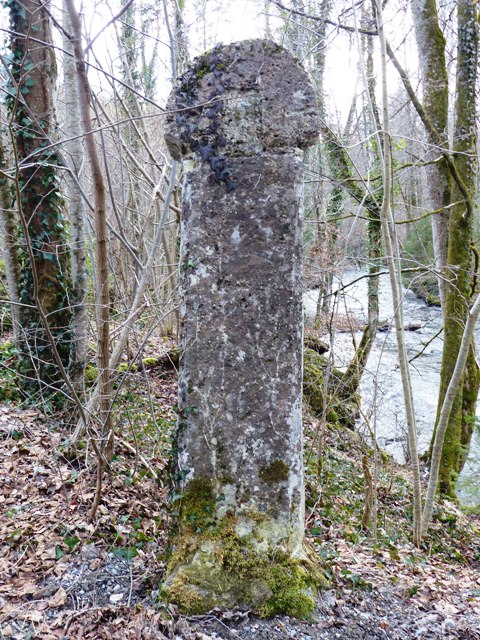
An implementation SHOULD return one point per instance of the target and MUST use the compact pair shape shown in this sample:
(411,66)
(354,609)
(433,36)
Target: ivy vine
(43,207)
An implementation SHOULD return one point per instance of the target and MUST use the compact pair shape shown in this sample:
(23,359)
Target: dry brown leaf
(58,599)
(446,608)
(26,589)
(94,564)
(31,616)
(116,597)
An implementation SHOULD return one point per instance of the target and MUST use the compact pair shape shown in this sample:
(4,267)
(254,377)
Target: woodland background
(90,208)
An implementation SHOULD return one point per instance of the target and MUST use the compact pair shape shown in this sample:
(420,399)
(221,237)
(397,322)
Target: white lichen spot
(189,165)
(229,493)
(236,238)
(267,231)
(201,272)
(185,463)
(244,528)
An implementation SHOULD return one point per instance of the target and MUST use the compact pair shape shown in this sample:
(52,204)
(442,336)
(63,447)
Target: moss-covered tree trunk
(343,168)
(44,286)
(431,48)
(327,225)
(326,241)
(459,257)
(371,203)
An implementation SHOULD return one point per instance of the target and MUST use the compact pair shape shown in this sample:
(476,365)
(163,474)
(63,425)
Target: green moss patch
(213,566)
(341,405)
(276,471)
(198,504)
(222,570)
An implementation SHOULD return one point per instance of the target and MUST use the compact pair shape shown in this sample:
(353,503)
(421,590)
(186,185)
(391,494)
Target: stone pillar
(238,118)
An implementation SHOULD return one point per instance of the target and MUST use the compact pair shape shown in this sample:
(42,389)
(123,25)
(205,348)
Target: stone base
(220,569)
(224,575)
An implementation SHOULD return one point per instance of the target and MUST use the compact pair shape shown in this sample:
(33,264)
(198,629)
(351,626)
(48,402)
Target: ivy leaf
(59,553)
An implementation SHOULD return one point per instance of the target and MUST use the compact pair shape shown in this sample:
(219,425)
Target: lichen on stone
(237,119)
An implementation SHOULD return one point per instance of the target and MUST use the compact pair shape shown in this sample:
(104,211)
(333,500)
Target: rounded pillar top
(241,99)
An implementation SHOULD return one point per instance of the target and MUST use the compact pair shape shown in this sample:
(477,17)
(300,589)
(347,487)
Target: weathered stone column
(238,118)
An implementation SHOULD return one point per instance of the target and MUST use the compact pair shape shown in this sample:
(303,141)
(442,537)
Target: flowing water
(381,390)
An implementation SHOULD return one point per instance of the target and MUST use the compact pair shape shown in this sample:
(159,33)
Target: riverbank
(381,388)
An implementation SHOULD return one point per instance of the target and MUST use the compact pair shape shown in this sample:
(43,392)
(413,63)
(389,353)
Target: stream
(381,390)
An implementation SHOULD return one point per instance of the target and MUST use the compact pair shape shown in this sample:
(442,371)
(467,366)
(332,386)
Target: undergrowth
(335,503)
(144,419)
(9,379)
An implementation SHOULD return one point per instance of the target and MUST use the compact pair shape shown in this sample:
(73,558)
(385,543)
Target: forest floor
(62,576)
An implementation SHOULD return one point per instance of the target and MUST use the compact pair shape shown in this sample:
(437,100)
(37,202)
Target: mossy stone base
(238,558)
(226,572)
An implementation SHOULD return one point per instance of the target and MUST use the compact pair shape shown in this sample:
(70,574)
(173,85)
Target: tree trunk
(459,257)
(431,48)
(180,38)
(9,235)
(374,229)
(44,286)
(102,297)
(75,155)
(345,177)
(460,283)
(391,252)
(454,385)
